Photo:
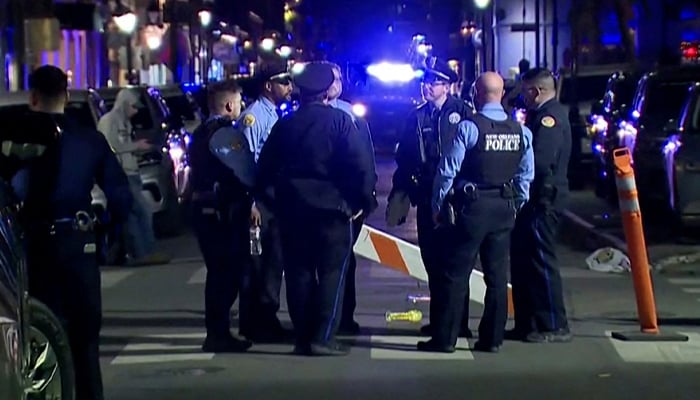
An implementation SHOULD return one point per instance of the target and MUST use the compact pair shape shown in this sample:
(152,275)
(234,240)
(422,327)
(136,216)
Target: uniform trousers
(482,228)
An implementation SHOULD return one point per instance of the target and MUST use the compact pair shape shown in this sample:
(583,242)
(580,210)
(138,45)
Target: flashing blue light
(688,14)
(690,36)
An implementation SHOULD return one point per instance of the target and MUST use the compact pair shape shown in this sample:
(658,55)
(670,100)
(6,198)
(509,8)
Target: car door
(686,163)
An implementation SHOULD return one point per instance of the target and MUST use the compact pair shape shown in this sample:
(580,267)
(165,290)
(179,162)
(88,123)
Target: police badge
(454,118)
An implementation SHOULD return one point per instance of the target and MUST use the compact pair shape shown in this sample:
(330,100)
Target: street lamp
(126,21)
(482,3)
(205,18)
(284,51)
(267,44)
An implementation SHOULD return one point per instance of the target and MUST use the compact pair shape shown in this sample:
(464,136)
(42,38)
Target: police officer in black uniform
(488,170)
(53,164)
(538,300)
(222,173)
(322,180)
(428,134)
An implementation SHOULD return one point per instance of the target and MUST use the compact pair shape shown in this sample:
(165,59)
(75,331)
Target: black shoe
(485,347)
(330,349)
(434,347)
(225,345)
(349,328)
(558,336)
(515,334)
(302,349)
(466,333)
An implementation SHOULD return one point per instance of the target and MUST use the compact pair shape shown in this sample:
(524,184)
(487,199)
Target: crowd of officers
(483,186)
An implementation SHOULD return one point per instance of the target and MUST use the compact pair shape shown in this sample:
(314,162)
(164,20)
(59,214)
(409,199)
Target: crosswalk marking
(199,277)
(163,349)
(685,281)
(404,348)
(694,290)
(659,352)
(112,277)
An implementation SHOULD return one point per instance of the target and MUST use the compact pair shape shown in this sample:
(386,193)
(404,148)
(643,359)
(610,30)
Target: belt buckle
(83,222)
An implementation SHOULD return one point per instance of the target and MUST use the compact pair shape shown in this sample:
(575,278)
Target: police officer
(319,188)
(488,170)
(259,320)
(348,325)
(540,315)
(61,161)
(428,134)
(222,169)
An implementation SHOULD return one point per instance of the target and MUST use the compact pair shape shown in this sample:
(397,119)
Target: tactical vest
(497,154)
(206,170)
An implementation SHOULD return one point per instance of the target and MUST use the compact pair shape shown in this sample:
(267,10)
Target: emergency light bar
(393,73)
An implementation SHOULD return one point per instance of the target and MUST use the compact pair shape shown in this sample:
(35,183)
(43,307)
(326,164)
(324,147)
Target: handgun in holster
(448,211)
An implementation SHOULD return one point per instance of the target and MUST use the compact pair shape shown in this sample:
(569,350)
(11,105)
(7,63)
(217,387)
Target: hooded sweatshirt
(116,127)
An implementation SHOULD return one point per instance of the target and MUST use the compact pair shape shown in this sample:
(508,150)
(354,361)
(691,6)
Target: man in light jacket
(117,128)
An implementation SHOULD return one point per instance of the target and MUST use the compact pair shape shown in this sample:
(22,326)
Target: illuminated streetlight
(267,44)
(284,51)
(153,42)
(126,23)
(205,17)
(482,3)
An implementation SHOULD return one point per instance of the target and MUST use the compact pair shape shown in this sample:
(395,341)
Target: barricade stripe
(629,205)
(388,252)
(625,184)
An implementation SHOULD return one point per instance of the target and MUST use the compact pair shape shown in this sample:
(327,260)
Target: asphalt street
(153,330)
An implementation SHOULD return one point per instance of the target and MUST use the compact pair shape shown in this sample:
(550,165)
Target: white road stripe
(694,290)
(199,277)
(685,281)
(404,348)
(580,273)
(659,352)
(165,350)
(111,278)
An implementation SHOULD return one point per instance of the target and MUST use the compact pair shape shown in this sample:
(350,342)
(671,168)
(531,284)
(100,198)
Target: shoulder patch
(548,122)
(454,118)
(249,120)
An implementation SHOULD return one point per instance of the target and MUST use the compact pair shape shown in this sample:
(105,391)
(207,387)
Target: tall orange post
(637,252)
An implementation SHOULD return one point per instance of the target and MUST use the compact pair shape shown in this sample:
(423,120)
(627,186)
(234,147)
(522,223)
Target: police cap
(314,78)
(275,72)
(439,71)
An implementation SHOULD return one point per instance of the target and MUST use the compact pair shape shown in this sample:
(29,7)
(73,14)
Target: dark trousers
(223,244)
(537,288)
(264,281)
(483,228)
(64,275)
(317,247)
(350,297)
(431,243)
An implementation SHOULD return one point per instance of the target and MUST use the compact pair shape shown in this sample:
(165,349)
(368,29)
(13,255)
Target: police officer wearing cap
(485,176)
(540,315)
(259,320)
(348,325)
(319,188)
(427,136)
(222,173)
(53,163)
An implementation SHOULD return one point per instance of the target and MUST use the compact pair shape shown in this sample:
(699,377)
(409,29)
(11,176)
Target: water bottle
(414,316)
(255,242)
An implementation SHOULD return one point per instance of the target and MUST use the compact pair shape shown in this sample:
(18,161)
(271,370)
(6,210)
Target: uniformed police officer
(55,186)
(488,171)
(222,173)
(322,185)
(540,315)
(348,325)
(259,320)
(429,132)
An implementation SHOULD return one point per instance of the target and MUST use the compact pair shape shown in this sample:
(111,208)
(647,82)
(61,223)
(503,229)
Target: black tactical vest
(497,154)
(205,169)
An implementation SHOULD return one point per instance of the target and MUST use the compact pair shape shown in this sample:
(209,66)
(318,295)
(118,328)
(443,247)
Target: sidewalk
(590,223)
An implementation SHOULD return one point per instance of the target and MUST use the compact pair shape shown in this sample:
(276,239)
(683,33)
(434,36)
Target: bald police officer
(540,315)
(487,173)
(319,188)
(221,177)
(259,320)
(428,134)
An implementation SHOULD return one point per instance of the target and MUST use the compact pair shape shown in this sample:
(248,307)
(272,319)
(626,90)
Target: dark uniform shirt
(551,140)
(69,160)
(314,159)
(428,135)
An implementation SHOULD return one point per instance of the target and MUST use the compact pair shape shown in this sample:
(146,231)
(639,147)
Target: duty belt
(82,222)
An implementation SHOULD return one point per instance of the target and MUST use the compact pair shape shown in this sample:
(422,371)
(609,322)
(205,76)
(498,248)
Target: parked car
(606,115)
(681,152)
(183,108)
(656,109)
(35,357)
(153,122)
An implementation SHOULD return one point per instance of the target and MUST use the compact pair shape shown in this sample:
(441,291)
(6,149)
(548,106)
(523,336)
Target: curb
(581,234)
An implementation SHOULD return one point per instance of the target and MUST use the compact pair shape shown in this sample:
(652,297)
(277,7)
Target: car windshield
(143,120)
(588,88)
(664,101)
(81,113)
(695,117)
(179,106)
(623,92)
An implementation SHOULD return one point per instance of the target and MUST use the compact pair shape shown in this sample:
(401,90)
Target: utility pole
(555,36)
